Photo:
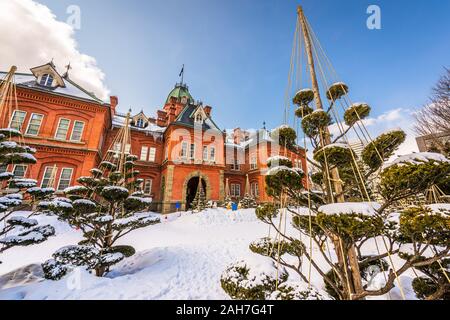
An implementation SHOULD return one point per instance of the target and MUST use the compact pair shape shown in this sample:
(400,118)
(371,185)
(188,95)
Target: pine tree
(348,226)
(200,202)
(248,201)
(105,210)
(19,231)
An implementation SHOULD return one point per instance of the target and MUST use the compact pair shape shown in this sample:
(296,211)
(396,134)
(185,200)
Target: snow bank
(221,216)
(365,208)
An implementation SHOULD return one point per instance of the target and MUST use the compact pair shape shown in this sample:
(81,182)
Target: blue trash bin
(234,206)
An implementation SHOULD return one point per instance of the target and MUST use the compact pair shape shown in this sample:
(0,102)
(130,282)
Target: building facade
(72,130)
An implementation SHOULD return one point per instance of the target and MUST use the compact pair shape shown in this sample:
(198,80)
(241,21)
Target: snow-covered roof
(119,120)
(71,89)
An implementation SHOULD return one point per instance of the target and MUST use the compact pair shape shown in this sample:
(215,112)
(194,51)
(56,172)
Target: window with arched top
(46,80)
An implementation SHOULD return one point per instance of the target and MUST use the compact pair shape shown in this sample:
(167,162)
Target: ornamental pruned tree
(346,217)
(106,206)
(17,230)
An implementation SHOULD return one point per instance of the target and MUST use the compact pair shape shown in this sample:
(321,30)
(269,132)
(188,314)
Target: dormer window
(46,80)
(140,123)
(199,118)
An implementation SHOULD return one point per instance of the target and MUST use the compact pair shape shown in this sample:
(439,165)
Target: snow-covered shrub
(252,280)
(303,97)
(314,122)
(336,91)
(17,230)
(381,148)
(303,111)
(104,211)
(286,136)
(298,291)
(335,154)
(356,112)
(248,201)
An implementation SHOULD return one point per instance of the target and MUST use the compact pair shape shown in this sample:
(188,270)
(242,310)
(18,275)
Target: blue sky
(237,52)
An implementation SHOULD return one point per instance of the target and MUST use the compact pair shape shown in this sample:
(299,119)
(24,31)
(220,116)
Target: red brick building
(72,130)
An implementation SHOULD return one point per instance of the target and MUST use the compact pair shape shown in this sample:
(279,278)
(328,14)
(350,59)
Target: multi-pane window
(48,179)
(77,131)
(152,154)
(64,178)
(144,151)
(3,168)
(212,155)
(46,80)
(192,151)
(148,186)
(183,153)
(235,165)
(235,190)
(17,119)
(140,123)
(35,124)
(254,189)
(63,128)
(253,162)
(19,170)
(205,153)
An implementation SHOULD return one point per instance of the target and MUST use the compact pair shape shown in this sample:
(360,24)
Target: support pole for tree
(337,184)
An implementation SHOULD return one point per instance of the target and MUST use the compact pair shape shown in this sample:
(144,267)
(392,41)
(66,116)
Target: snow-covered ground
(181,258)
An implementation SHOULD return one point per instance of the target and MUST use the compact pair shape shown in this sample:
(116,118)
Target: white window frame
(235,190)
(144,153)
(235,166)
(254,189)
(60,175)
(145,186)
(192,151)
(253,162)
(51,173)
(57,128)
(152,154)
(73,130)
(24,171)
(212,153)
(46,83)
(12,117)
(140,123)
(29,124)
(184,149)
(205,153)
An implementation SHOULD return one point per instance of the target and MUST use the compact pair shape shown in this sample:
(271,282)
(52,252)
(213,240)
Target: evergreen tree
(105,208)
(200,202)
(348,225)
(19,230)
(248,201)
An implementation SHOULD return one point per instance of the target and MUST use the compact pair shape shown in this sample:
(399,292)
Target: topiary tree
(105,208)
(19,230)
(346,226)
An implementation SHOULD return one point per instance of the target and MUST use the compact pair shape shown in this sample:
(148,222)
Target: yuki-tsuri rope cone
(346,216)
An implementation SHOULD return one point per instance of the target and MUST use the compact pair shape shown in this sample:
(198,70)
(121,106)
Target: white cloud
(31,36)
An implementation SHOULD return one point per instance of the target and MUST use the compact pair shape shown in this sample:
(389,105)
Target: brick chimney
(161,119)
(172,114)
(114,101)
(207,110)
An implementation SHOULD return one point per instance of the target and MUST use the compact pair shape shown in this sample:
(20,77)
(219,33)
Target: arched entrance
(191,190)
